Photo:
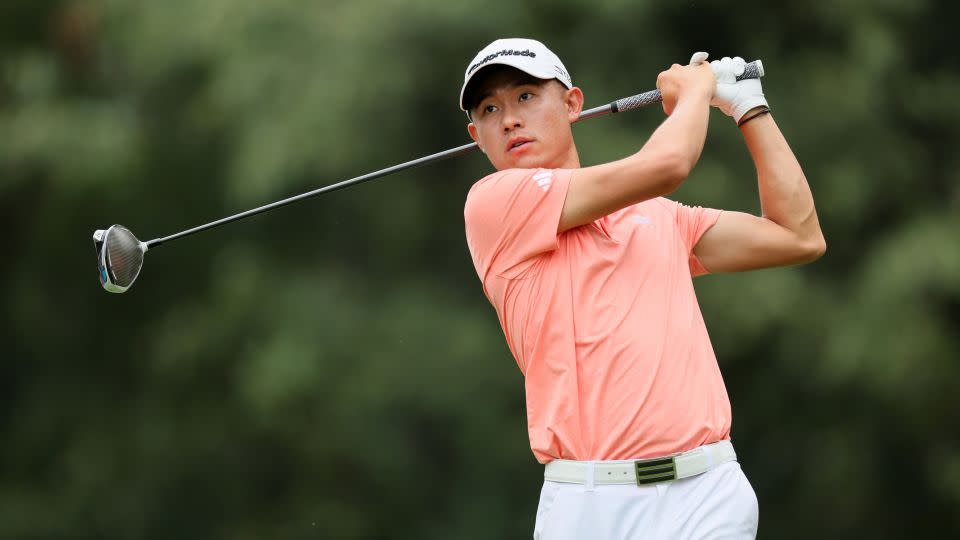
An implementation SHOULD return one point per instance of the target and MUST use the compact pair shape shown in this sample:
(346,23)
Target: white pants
(719,503)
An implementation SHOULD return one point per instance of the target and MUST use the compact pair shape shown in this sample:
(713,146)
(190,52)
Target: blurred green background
(333,370)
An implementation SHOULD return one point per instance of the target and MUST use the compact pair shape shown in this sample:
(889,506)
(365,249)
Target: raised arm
(661,164)
(788,231)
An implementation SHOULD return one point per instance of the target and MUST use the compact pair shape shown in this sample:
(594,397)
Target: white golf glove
(735,97)
(698,58)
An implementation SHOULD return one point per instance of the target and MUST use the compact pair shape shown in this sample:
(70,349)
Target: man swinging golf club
(590,272)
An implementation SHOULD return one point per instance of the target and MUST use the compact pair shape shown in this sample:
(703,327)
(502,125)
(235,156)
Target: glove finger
(723,70)
(698,58)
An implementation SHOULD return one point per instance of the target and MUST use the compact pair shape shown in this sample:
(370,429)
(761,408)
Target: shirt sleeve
(693,222)
(512,216)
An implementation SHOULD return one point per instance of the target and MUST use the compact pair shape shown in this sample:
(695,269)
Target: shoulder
(497,188)
(658,206)
(679,209)
(668,212)
(663,204)
(506,177)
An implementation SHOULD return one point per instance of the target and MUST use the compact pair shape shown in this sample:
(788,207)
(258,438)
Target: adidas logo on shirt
(543,179)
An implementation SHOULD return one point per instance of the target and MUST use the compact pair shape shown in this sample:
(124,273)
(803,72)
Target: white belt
(642,471)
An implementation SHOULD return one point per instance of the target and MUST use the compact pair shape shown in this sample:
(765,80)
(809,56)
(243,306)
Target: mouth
(517,142)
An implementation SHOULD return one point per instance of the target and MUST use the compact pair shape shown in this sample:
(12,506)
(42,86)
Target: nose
(511,119)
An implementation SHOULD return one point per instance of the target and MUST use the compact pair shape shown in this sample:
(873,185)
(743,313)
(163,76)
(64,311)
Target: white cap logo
(527,55)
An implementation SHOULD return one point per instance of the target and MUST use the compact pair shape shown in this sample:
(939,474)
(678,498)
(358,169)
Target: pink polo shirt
(602,319)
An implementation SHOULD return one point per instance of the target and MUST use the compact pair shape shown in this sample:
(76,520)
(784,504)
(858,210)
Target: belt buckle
(652,471)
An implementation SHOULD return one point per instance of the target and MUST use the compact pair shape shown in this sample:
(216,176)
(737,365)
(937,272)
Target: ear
(574,103)
(472,130)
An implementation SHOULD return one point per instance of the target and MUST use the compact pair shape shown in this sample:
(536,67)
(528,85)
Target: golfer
(590,272)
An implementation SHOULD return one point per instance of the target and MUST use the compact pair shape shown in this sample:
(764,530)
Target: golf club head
(119,257)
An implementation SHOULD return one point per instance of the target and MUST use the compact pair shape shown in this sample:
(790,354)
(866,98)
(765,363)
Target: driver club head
(119,257)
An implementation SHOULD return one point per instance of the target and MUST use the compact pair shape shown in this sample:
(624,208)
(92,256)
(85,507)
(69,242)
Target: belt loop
(591,468)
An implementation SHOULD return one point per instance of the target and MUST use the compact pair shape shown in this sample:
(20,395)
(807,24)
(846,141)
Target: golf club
(120,254)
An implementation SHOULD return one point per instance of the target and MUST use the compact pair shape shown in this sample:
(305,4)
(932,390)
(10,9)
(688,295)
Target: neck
(568,160)
(572,160)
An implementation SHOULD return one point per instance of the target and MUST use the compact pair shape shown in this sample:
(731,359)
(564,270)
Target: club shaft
(325,189)
(754,70)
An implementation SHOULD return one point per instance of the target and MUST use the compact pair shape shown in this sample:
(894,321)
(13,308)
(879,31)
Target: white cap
(527,55)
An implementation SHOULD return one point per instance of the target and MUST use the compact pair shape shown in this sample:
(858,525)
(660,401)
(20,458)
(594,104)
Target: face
(523,122)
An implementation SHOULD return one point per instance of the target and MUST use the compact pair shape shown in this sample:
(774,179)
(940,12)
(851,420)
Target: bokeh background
(332,370)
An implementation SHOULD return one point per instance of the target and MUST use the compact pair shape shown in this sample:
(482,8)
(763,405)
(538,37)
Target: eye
(489,109)
(525,96)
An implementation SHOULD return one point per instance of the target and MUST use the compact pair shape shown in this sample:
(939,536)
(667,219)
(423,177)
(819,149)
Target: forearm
(660,165)
(785,196)
(680,138)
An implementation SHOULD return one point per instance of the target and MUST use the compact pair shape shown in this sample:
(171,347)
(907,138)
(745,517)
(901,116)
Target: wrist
(703,96)
(753,114)
(754,110)
(753,99)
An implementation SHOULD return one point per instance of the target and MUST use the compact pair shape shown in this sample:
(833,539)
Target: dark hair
(473,93)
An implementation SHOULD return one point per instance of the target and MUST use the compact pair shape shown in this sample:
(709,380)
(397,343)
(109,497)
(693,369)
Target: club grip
(753,70)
